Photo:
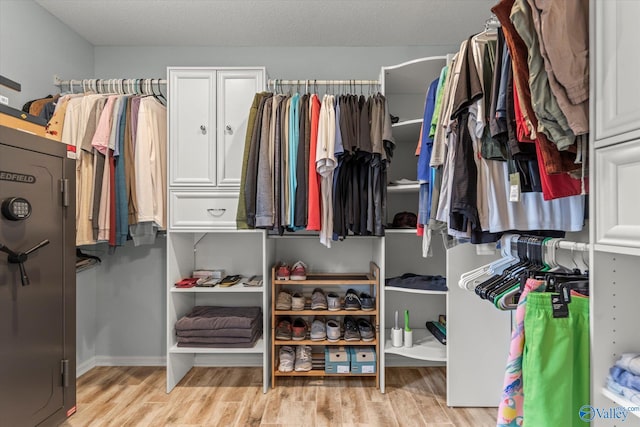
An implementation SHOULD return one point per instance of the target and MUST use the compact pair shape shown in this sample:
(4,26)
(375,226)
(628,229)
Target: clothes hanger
(510,274)
(158,96)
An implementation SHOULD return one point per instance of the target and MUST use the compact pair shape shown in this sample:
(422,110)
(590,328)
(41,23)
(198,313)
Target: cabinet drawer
(203,209)
(617,207)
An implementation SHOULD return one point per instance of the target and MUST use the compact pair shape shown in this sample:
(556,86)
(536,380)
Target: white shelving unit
(425,347)
(621,401)
(614,172)
(407,130)
(245,252)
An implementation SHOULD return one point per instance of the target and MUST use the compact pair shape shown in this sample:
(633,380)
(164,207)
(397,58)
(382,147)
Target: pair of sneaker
(297,272)
(298,359)
(364,301)
(290,301)
(287,330)
(358,330)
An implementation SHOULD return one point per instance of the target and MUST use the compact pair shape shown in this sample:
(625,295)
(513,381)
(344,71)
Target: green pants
(555,364)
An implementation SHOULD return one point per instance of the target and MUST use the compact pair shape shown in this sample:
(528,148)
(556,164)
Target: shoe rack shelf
(358,281)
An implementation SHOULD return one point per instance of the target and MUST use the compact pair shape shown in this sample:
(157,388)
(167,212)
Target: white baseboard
(130,361)
(87,365)
(84,367)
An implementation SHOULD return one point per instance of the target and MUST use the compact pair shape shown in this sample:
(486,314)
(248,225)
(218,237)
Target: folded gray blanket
(230,332)
(213,342)
(214,317)
(220,340)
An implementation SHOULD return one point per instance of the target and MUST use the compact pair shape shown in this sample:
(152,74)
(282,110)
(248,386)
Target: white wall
(281,62)
(86,320)
(131,305)
(35,46)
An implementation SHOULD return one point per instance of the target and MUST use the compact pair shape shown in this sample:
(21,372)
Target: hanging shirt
(294,142)
(151,162)
(325,164)
(313,210)
(302,163)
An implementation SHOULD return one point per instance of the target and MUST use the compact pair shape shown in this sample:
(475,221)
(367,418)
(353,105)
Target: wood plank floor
(135,396)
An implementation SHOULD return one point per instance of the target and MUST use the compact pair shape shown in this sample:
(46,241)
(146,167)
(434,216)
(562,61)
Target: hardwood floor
(135,396)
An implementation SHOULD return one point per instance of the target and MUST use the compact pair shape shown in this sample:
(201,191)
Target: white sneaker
(297,301)
(333,330)
(303,358)
(287,358)
(333,301)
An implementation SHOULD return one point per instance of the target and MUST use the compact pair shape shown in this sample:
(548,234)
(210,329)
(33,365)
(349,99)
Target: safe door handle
(20,258)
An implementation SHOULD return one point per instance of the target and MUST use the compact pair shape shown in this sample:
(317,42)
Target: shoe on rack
(287,358)
(333,330)
(303,358)
(299,271)
(366,330)
(297,301)
(318,330)
(318,300)
(284,329)
(351,331)
(367,302)
(284,300)
(283,272)
(300,328)
(333,301)
(351,300)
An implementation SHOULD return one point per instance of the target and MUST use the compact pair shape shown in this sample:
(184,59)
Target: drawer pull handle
(203,129)
(228,129)
(216,212)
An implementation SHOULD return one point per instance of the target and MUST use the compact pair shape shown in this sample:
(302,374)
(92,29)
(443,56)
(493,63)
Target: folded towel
(625,378)
(213,317)
(631,395)
(630,362)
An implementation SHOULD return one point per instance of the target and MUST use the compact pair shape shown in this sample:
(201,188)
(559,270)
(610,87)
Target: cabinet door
(236,89)
(617,39)
(192,127)
(617,211)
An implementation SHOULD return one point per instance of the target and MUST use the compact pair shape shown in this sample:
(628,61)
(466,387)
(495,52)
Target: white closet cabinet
(615,157)
(470,324)
(208,114)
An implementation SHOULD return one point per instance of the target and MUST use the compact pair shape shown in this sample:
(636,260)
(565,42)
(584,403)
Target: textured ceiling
(272,22)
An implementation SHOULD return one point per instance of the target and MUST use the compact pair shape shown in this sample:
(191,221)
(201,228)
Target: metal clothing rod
(555,243)
(112,85)
(324,82)
(60,82)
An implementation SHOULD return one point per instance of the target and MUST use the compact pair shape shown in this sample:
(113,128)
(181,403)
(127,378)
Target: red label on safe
(72,411)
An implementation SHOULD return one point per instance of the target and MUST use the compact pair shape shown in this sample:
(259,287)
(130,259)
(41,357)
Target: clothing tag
(514,193)
(560,308)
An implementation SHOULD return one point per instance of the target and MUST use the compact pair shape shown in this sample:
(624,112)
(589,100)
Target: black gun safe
(37,280)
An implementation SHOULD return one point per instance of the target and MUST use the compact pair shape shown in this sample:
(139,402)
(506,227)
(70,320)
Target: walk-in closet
(319,213)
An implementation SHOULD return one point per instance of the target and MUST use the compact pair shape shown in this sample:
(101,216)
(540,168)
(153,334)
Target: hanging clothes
(317,164)
(118,196)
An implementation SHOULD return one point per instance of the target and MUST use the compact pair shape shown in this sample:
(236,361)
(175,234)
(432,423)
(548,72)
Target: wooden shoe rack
(330,282)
